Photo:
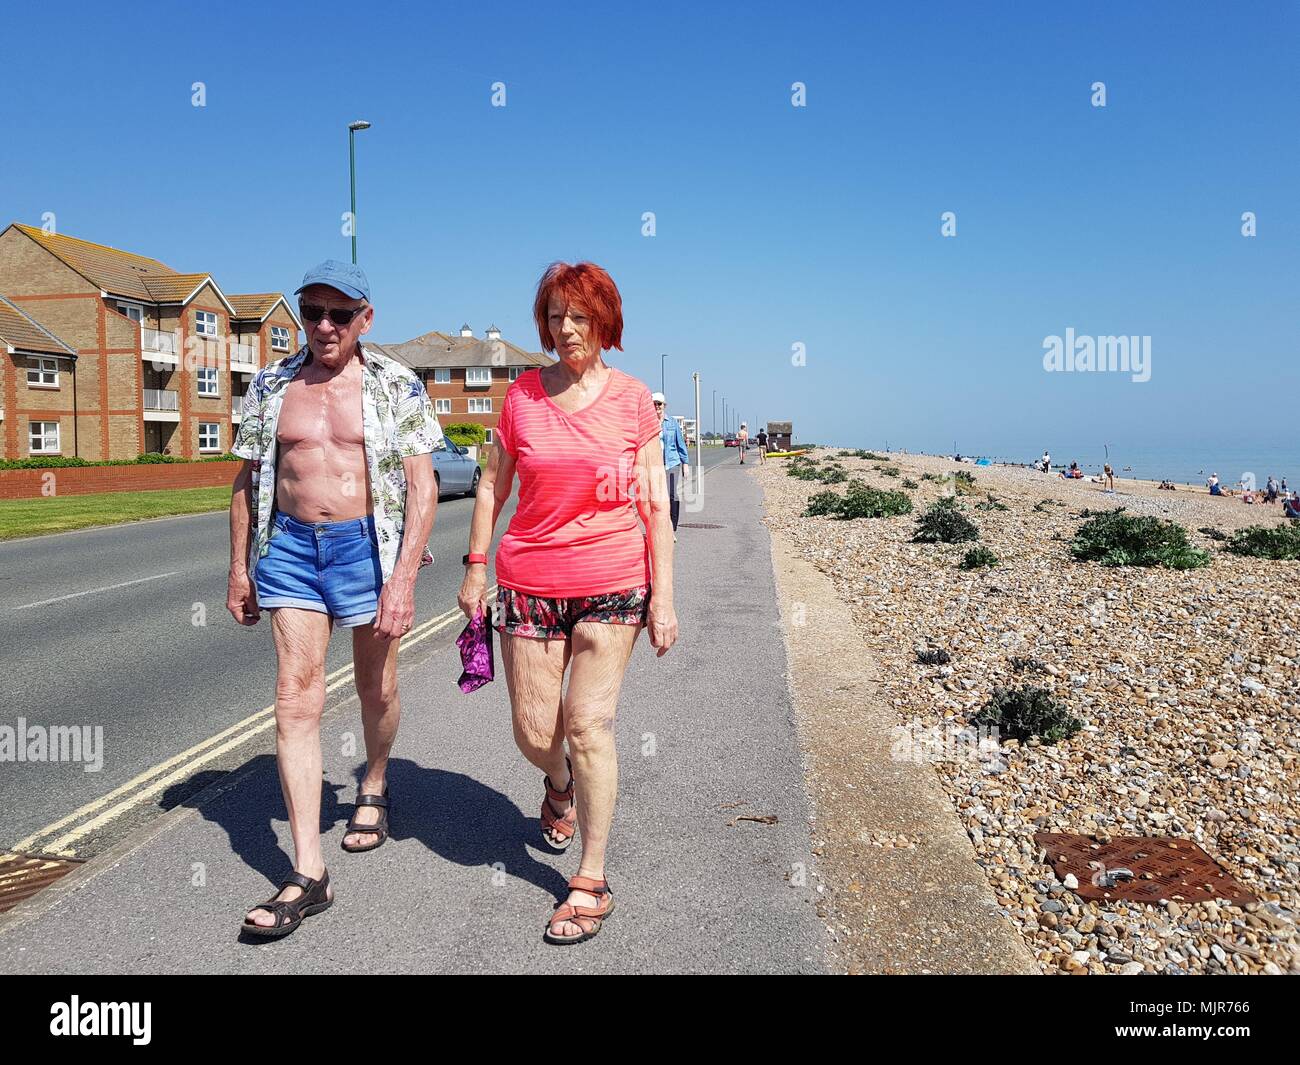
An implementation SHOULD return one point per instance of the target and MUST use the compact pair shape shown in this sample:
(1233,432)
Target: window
(132,310)
(205,323)
(43,438)
(480,405)
(279,338)
(442,377)
(442,406)
(209,436)
(515,371)
(478,375)
(43,373)
(488,439)
(207,381)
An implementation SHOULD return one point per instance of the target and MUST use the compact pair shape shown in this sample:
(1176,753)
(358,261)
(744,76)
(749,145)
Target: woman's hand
(661,624)
(472,588)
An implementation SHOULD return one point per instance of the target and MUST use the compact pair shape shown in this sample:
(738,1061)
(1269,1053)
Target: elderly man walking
(676,458)
(337,495)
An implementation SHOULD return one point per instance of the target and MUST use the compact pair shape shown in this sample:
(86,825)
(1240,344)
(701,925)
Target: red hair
(588,286)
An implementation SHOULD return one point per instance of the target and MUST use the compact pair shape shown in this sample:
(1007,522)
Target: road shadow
(455,816)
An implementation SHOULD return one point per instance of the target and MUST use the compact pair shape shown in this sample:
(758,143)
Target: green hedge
(54,462)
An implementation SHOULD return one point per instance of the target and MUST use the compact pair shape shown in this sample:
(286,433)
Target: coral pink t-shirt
(576,530)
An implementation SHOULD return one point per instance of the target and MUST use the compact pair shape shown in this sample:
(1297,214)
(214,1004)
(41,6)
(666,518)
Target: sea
(1234,463)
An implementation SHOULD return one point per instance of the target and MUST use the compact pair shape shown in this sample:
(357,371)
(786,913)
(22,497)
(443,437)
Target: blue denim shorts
(331,567)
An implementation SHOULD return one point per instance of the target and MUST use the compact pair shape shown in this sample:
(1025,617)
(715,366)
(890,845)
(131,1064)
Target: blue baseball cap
(348,278)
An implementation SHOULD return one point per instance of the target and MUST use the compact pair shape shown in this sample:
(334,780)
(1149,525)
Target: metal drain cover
(1163,868)
(698,525)
(23,875)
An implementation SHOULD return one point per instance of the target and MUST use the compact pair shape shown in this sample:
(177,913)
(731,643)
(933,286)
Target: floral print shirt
(398,422)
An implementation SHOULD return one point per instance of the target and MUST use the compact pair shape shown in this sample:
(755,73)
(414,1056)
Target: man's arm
(241,596)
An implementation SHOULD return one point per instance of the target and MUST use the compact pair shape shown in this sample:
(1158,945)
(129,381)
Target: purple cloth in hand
(475,643)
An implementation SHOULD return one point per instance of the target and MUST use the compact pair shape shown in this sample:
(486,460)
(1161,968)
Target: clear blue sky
(776,225)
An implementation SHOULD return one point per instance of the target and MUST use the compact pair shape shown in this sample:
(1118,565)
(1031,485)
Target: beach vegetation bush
(870,456)
(1026,664)
(909,483)
(1114,538)
(1027,711)
(964,482)
(978,557)
(990,504)
(1212,532)
(944,523)
(935,656)
(824,505)
(1281,543)
(832,475)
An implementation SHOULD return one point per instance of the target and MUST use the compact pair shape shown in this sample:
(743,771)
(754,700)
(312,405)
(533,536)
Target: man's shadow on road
(455,816)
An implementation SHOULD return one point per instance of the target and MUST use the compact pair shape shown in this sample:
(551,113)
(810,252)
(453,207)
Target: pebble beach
(1186,682)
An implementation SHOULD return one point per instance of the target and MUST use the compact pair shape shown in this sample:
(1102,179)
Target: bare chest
(324,414)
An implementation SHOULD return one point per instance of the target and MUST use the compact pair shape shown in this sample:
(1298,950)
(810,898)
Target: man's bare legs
(301,638)
(374,662)
(534,671)
(600,654)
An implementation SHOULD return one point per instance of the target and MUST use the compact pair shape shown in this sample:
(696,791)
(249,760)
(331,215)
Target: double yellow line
(60,838)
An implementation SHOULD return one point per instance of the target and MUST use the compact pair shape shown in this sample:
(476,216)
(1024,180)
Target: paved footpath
(465,884)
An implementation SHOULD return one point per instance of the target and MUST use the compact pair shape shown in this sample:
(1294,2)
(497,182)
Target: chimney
(466,331)
(493,333)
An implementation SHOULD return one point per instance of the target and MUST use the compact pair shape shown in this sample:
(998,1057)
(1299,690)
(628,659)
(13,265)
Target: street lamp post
(661,374)
(353,127)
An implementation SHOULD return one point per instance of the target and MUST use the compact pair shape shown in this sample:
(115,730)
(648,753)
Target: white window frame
(483,403)
(134,311)
(477,376)
(442,406)
(205,323)
(40,367)
(488,438)
(44,431)
(216,433)
(205,374)
(280,339)
(442,375)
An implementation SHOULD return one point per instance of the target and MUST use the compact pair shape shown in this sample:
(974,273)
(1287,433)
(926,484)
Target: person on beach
(338,496)
(1045,463)
(742,442)
(1270,489)
(762,446)
(676,458)
(1110,479)
(1215,488)
(1291,508)
(577,576)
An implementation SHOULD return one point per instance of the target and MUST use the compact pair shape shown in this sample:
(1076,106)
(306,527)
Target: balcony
(159,348)
(161,405)
(243,358)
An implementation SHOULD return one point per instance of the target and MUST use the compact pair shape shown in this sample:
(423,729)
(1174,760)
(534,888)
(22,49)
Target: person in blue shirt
(677,459)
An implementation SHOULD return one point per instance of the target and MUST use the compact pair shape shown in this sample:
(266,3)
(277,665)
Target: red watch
(472,557)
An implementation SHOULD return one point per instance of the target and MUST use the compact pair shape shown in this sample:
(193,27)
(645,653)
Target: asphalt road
(125,629)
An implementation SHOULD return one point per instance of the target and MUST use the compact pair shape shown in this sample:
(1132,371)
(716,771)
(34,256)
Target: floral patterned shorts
(521,614)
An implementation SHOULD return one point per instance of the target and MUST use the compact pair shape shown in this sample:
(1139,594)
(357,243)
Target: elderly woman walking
(577,575)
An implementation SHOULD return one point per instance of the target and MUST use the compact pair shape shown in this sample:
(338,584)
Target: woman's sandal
(289,914)
(557,823)
(580,915)
(379,828)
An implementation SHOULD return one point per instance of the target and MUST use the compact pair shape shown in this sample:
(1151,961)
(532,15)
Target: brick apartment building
(108,354)
(465,376)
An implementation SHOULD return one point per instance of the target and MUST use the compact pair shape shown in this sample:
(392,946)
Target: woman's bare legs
(535,677)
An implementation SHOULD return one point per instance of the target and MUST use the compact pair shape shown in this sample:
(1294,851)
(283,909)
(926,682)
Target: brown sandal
(579,915)
(558,823)
(289,913)
(379,828)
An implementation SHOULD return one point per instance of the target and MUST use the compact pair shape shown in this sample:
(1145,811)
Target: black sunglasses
(338,315)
